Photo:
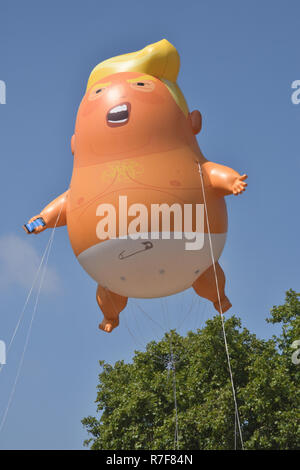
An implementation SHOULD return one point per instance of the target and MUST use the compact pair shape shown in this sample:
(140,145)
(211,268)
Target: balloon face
(128,112)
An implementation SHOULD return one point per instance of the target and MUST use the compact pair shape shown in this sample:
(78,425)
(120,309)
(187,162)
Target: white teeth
(117,109)
(119,120)
(120,111)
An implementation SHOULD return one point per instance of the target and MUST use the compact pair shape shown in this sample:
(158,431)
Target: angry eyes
(96,92)
(144,86)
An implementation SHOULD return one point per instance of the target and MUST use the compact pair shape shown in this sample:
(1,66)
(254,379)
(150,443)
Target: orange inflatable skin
(151,155)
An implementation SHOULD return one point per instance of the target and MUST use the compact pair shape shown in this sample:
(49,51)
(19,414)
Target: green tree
(136,400)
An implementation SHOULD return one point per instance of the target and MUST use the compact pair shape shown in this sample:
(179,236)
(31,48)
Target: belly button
(175,183)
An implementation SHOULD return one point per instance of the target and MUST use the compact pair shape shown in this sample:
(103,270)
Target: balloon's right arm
(54,214)
(223,179)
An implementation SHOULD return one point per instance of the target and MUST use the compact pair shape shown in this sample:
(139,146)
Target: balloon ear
(73,144)
(196,121)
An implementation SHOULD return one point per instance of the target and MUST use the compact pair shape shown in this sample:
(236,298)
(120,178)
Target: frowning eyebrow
(141,78)
(99,85)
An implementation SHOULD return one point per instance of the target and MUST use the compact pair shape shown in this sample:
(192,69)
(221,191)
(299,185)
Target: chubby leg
(205,286)
(111,305)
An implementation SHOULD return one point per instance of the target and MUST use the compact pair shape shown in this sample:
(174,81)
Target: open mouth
(119,115)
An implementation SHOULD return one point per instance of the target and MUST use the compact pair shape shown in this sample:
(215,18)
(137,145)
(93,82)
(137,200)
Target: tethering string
(44,257)
(26,301)
(173,366)
(221,312)
(176,432)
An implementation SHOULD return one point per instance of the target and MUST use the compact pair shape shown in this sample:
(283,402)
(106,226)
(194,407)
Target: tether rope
(46,257)
(27,300)
(149,316)
(176,436)
(138,343)
(176,433)
(221,311)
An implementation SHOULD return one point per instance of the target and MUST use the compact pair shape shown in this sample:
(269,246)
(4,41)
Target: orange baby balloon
(135,207)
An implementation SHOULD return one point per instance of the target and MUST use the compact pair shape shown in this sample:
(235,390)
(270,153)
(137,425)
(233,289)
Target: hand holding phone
(33,225)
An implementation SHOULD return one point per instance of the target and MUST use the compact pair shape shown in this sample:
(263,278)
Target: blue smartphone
(33,225)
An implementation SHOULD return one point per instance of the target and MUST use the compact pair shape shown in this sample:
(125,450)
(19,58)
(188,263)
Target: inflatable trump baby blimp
(145,210)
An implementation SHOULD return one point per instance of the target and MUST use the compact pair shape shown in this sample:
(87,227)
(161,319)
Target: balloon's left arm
(224,179)
(54,214)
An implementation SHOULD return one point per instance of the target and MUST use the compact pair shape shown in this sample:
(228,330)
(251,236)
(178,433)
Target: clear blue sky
(238,62)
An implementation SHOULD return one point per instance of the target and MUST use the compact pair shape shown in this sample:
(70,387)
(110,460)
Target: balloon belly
(147,267)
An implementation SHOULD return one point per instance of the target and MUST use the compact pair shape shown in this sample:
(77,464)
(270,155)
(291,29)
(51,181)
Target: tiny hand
(239,185)
(38,229)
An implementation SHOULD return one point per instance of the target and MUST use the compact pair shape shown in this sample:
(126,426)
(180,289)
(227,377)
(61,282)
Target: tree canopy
(136,400)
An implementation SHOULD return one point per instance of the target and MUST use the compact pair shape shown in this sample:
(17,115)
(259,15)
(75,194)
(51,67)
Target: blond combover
(161,60)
